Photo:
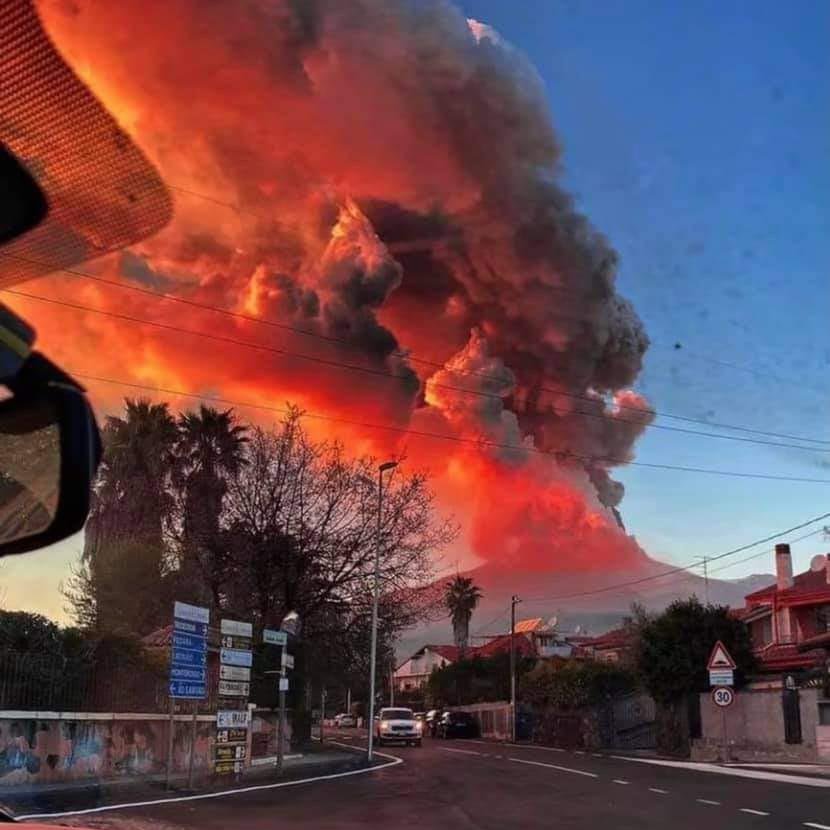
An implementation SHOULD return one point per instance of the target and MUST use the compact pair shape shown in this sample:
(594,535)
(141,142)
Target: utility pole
(706,578)
(392,682)
(514,601)
(373,651)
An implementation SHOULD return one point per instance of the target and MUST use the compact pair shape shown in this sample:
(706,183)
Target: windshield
(397,714)
(447,355)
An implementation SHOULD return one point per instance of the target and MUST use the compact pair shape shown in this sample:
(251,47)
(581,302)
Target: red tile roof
(160,638)
(501,644)
(616,638)
(804,584)
(447,652)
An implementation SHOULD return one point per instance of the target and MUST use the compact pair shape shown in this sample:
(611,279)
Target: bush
(568,685)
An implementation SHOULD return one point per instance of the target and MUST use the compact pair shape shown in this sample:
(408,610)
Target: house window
(823,619)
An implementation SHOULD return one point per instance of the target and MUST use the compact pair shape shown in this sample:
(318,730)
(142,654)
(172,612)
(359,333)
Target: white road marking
(707,801)
(658,790)
(393,761)
(817,826)
(621,781)
(733,771)
(554,766)
(578,752)
(461,751)
(522,746)
(753,812)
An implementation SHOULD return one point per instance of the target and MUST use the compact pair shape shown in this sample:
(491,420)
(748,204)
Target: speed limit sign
(723,696)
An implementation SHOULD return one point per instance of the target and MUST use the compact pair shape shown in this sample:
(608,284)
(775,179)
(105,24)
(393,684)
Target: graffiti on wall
(35,751)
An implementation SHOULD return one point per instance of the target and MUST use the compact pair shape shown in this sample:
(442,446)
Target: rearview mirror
(49,451)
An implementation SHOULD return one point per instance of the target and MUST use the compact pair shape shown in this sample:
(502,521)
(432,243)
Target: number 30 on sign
(723,696)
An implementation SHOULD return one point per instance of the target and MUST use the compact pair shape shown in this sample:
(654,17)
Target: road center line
(816,825)
(620,781)
(658,790)
(461,751)
(554,766)
(707,801)
(753,812)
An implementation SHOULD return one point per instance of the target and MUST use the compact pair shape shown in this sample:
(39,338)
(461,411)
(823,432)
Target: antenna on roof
(818,562)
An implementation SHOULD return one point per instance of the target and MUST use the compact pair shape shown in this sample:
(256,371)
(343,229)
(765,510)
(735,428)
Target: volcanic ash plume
(381,174)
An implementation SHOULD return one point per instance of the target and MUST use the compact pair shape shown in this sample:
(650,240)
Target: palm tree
(132,498)
(131,508)
(461,597)
(210,448)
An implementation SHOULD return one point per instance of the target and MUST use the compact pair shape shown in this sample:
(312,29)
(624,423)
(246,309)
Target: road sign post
(721,669)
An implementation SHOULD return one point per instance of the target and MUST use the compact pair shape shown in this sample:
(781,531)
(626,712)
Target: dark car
(431,721)
(458,725)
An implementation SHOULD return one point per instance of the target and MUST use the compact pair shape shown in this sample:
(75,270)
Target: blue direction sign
(235,657)
(189,651)
(190,641)
(188,657)
(188,627)
(184,688)
(194,675)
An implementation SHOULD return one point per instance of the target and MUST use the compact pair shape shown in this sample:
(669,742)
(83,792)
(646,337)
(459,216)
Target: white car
(397,725)
(345,719)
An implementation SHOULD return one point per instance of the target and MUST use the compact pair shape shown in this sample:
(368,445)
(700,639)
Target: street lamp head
(291,623)
(388,465)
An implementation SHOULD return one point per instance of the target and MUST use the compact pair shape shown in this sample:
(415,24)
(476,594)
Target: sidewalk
(84,795)
(809,770)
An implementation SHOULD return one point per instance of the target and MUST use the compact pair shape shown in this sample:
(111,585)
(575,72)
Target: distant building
(414,672)
(534,638)
(615,646)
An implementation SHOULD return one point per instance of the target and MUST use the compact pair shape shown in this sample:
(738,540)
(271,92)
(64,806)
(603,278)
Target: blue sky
(696,137)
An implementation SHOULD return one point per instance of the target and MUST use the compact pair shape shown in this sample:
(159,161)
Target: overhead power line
(669,572)
(480,443)
(337,364)
(409,356)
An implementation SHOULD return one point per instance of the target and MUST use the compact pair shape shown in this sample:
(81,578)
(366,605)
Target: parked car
(458,725)
(419,716)
(431,720)
(397,725)
(345,719)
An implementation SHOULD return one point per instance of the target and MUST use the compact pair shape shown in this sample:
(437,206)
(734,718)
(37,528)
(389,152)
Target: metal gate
(629,722)
(792,716)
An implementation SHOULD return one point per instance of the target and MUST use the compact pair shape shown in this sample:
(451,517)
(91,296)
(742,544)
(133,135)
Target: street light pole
(387,465)
(514,601)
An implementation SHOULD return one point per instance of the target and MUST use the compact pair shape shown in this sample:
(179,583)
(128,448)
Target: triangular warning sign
(720,658)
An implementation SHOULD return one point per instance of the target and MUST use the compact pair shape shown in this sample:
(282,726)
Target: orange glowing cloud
(376,180)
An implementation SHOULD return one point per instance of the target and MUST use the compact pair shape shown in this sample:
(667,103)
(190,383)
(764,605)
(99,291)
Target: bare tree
(300,522)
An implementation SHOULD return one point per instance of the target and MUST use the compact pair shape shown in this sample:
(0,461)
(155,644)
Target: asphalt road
(467,784)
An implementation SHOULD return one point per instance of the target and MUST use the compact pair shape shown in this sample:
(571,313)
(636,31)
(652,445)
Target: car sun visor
(101,192)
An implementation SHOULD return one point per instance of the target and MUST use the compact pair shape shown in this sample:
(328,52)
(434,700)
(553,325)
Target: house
(615,646)
(789,620)
(414,672)
(783,713)
(533,638)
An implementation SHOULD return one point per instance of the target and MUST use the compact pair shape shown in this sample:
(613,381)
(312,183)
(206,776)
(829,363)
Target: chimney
(783,566)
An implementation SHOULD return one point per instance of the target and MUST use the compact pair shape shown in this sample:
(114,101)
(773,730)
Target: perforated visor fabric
(102,192)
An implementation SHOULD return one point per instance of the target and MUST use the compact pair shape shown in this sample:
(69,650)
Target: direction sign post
(188,670)
(236,661)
